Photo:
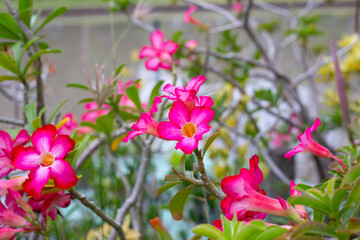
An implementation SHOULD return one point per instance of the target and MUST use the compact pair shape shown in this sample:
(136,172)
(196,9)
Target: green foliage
(177,203)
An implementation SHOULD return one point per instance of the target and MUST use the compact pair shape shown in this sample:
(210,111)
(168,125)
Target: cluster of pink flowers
(36,164)
(245,198)
(189,117)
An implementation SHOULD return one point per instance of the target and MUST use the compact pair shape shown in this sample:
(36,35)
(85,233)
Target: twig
(130,201)
(35,48)
(208,183)
(12,121)
(90,204)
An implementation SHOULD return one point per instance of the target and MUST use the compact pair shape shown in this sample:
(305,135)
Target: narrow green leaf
(227,227)
(250,231)
(167,186)
(74,133)
(28,44)
(8,64)
(25,11)
(8,22)
(57,12)
(133,94)
(105,123)
(77,85)
(8,78)
(209,231)
(171,178)
(16,50)
(155,92)
(210,140)
(352,175)
(310,227)
(56,110)
(43,45)
(80,149)
(37,55)
(36,123)
(177,203)
(5,33)
(118,70)
(41,112)
(30,112)
(271,233)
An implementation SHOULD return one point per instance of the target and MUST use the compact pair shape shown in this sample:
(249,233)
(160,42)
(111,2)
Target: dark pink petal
(170,46)
(256,171)
(7,233)
(188,12)
(146,124)
(153,63)
(196,83)
(169,89)
(218,224)
(5,141)
(22,138)
(132,134)
(297,149)
(165,65)
(185,95)
(169,131)
(43,137)
(178,114)
(36,182)
(147,52)
(316,124)
(157,39)
(5,165)
(201,115)
(154,109)
(237,186)
(204,101)
(61,145)
(25,158)
(200,130)
(187,145)
(63,174)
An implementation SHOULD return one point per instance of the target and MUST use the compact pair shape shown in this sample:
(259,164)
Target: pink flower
(94,111)
(191,44)
(146,123)
(8,233)
(300,208)
(46,204)
(6,147)
(278,139)
(159,53)
(69,126)
(14,184)
(237,7)
(188,16)
(307,144)
(186,127)
(45,160)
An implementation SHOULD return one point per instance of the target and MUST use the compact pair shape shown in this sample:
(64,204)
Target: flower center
(188,130)
(46,159)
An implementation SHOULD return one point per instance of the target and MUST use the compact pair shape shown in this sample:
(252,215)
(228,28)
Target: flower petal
(36,182)
(237,186)
(187,145)
(295,150)
(201,115)
(22,138)
(61,145)
(169,131)
(25,158)
(5,141)
(153,63)
(63,175)
(157,39)
(201,130)
(5,166)
(170,46)
(43,137)
(147,52)
(316,124)
(178,114)
(196,83)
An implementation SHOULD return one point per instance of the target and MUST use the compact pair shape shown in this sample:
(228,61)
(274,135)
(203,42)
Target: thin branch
(12,121)
(130,201)
(90,204)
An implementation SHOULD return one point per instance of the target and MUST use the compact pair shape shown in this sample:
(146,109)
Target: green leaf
(80,149)
(9,24)
(155,92)
(301,229)
(167,186)
(28,44)
(8,78)
(271,233)
(227,226)
(210,140)
(16,50)
(105,123)
(252,230)
(352,204)
(43,45)
(37,55)
(209,231)
(78,85)
(5,33)
(36,123)
(133,94)
(8,64)
(307,200)
(57,12)
(352,175)
(25,11)
(118,70)
(56,110)
(30,112)
(176,204)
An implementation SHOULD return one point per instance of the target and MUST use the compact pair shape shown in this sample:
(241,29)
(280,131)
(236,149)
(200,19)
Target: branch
(90,204)
(35,48)
(12,121)
(130,201)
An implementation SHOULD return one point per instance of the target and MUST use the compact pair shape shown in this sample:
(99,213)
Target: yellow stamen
(46,159)
(62,123)
(188,130)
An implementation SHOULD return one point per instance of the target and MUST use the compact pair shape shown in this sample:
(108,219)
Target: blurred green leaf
(25,11)
(133,93)
(155,93)
(9,27)
(56,109)
(176,204)
(57,12)
(78,85)
(167,186)
(8,64)
(209,231)
(210,140)
(37,55)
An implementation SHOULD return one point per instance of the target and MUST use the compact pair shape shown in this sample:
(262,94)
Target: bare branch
(12,121)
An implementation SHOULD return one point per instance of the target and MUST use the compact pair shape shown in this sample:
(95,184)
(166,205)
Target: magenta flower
(45,160)
(14,184)
(6,147)
(188,18)
(159,53)
(69,126)
(307,144)
(186,127)
(237,7)
(146,123)
(94,111)
(8,233)
(47,204)
(191,44)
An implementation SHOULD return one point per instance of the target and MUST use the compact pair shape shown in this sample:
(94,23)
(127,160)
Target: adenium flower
(69,126)
(307,144)
(48,203)
(14,184)
(159,53)
(186,127)
(146,123)
(191,44)
(237,7)
(6,147)
(45,160)
(94,111)
(8,233)
(188,18)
